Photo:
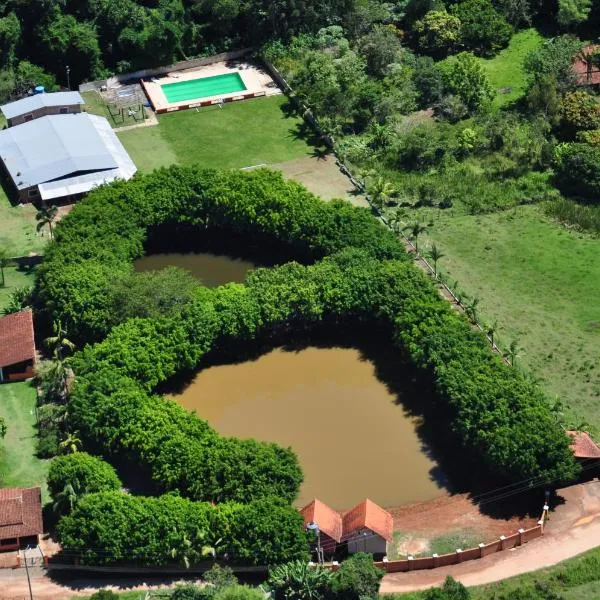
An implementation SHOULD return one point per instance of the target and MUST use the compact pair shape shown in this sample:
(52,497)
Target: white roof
(37,101)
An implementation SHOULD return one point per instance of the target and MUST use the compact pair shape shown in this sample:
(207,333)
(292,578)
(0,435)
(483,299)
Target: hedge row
(112,527)
(498,416)
(99,240)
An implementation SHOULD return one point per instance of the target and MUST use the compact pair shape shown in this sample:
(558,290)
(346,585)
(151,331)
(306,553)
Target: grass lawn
(95,105)
(541,282)
(17,228)
(19,467)
(505,70)
(241,134)
(14,279)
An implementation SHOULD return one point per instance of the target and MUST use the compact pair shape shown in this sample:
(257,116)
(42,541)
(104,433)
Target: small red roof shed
(328,520)
(582,445)
(20,515)
(17,346)
(368,515)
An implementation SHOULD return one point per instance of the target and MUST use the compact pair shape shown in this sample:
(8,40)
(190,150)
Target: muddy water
(211,269)
(352,439)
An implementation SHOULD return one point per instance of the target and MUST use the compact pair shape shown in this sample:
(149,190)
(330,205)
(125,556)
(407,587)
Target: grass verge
(540,282)
(19,466)
(17,228)
(14,279)
(241,134)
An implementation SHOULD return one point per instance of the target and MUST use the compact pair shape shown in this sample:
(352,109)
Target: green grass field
(506,69)
(17,228)
(19,467)
(240,134)
(14,278)
(95,105)
(541,282)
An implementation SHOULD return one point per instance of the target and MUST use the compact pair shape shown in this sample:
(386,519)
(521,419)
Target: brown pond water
(351,437)
(211,269)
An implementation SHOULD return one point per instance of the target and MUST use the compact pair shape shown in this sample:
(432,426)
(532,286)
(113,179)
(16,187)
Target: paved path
(574,527)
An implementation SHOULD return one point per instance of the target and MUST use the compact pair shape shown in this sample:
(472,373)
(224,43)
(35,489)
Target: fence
(360,187)
(178,66)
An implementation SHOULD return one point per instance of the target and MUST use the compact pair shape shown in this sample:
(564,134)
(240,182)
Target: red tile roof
(585,75)
(16,338)
(582,445)
(328,520)
(368,515)
(20,512)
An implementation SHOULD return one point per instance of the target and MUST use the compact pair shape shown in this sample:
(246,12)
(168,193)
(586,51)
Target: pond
(211,269)
(352,437)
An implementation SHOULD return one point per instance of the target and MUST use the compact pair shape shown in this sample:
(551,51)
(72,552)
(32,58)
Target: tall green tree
(46,216)
(464,76)
(5,260)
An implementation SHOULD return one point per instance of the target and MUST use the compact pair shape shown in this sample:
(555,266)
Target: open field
(541,283)
(17,228)
(241,134)
(19,467)
(506,69)
(14,279)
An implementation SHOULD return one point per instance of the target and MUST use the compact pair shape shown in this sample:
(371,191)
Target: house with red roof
(328,522)
(367,528)
(583,446)
(20,517)
(17,347)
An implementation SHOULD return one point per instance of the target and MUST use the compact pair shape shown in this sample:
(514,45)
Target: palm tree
(416,229)
(380,191)
(4,262)
(490,330)
(65,500)
(435,254)
(54,377)
(59,343)
(70,444)
(298,580)
(513,352)
(471,309)
(46,216)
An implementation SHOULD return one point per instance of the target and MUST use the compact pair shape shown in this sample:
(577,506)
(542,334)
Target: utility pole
(68,77)
(27,571)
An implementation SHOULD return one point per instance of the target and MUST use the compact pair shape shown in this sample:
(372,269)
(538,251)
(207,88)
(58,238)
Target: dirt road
(574,527)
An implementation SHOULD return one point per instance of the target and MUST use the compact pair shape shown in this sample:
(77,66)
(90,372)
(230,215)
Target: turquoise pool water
(196,89)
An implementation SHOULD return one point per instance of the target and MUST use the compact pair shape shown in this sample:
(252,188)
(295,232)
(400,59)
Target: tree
(490,330)
(380,192)
(416,229)
(471,309)
(438,32)
(5,260)
(20,299)
(70,444)
(517,12)
(577,171)
(10,34)
(464,76)
(59,344)
(189,592)
(450,590)
(543,98)
(46,216)
(573,12)
(435,254)
(3,427)
(357,578)
(428,81)
(65,500)
(104,594)
(513,352)
(579,111)
(483,28)
(380,48)
(299,581)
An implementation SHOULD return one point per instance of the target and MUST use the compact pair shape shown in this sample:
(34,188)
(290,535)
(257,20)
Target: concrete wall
(43,112)
(431,562)
(156,71)
(364,540)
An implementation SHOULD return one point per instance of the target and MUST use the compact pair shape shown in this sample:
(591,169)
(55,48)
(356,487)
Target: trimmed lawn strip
(541,283)
(14,279)
(505,70)
(19,466)
(241,134)
(17,228)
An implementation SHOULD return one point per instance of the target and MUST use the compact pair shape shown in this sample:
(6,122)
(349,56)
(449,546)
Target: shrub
(357,578)
(87,474)
(438,32)
(299,581)
(104,595)
(239,592)
(47,443)
(579,111)
(189,592)
(577,172)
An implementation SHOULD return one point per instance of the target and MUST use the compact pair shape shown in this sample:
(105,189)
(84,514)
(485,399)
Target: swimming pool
(194,89)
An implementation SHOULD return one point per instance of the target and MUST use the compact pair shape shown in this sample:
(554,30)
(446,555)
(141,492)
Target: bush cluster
(497,415)
(112,527)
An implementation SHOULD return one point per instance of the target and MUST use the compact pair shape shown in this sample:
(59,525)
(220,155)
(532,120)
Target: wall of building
(17,372)
(44,112)
(364,540)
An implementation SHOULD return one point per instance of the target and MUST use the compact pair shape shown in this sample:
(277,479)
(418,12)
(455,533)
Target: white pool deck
(257,82)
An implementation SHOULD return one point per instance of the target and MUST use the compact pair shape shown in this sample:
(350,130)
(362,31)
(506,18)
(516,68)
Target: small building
(20,517)
(42,105)
(586,72)
(62,157)
(583,446)
(17,347)
(367,528)
(328,521)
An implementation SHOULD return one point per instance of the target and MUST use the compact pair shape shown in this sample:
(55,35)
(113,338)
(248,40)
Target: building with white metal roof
(61,156)
(41,105)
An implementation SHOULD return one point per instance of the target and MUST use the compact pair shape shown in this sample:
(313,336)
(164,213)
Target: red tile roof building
(329,522)
(17,346)
(582,445)
(368,515)
(20,517)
